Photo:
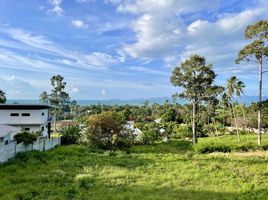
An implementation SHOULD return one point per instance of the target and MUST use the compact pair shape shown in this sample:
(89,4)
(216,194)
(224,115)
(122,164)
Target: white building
(6,134)
(26,117)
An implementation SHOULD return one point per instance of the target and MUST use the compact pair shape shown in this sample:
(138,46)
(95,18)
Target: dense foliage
(107,131)
(71,135)
(2,97)
(26,137)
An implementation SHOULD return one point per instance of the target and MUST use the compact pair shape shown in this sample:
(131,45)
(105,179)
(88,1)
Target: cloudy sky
(120,49)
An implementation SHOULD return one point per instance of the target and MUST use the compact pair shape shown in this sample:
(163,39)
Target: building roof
(158,121)
(5,129)
(24,106)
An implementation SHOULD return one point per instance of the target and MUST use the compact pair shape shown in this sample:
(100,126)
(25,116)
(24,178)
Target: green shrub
(26,137)
(212,148)
(182,131)
(124,139)
(265,147)
(150,133)
(107,131)
(71,135)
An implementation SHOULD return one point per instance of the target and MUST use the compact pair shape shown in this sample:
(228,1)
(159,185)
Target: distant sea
(161,100)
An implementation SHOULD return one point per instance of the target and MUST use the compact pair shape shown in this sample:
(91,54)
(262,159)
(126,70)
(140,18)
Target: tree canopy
(3,98)
(196,78)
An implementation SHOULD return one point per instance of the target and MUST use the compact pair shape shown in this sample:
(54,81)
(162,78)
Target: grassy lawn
(229,143)
(162,171)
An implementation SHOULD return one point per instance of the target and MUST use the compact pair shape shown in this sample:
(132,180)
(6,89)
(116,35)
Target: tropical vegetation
(205,148)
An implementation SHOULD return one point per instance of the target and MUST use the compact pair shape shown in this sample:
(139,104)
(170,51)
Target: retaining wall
(11,150)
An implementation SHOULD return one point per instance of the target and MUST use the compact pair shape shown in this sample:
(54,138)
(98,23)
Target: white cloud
(163,6)
(74,89)
(158,27)
(149,71)
(15,88)
(99,59)
(35,46)
(221,40)
(161,33)
(57,9)
(79,24)
(103,93)
(154,38)
(171,61)
(29,41)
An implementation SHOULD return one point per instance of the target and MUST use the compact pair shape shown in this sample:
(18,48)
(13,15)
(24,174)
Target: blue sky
(120,49)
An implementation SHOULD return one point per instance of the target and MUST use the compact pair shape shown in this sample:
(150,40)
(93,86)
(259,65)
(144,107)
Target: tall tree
(239,89)
(224,105)
(234,86)
(256,51)
(3,98)
(196,78)
(44,97)
(59,97)
(74,108)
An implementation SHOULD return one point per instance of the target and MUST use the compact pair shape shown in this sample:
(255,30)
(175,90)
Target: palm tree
(3,98)
(224,105)
(239,89)
(234,86)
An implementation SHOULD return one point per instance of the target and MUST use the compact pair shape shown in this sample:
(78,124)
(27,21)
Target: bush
(71,135)
(150,132)
(212,148)
(107,131)
(170,128)
(26,137)
(182,131)
(124,139)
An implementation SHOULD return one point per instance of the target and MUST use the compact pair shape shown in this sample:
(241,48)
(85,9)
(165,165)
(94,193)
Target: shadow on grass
(172,146)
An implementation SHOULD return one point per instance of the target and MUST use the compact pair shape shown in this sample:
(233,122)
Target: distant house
(7,133)
(27,117)
(67,123)
(136,131)
(131,125)
(158,121)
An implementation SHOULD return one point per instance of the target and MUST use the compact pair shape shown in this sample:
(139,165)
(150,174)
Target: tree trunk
(55,121)
(215,125)
(260,106)
(236,126)
(244,116)
(194,124)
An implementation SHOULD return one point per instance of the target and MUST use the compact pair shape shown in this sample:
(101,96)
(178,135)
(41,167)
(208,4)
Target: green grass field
(163,171)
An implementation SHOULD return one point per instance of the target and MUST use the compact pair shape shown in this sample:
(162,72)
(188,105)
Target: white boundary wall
(11,150)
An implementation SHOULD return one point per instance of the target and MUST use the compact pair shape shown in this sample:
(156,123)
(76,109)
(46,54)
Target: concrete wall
(11,150)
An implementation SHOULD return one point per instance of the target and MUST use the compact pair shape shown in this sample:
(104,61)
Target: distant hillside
(161,100)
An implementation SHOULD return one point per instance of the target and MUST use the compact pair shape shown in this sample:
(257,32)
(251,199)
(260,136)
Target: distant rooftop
(24,106)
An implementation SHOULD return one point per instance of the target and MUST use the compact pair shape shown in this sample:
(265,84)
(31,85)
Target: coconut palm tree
(224,106)
(3,98)
(239,89)
(234,86)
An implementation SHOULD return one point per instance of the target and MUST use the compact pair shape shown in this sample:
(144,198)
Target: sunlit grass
(161,171)
(228,143)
